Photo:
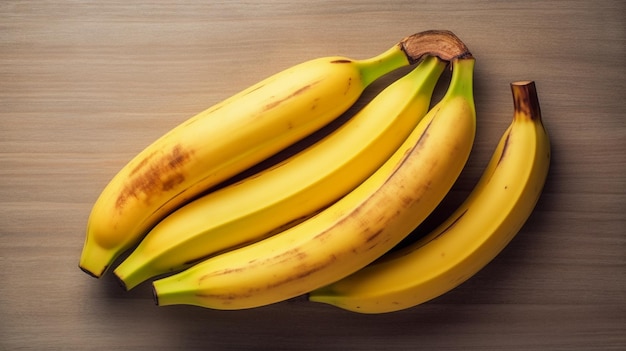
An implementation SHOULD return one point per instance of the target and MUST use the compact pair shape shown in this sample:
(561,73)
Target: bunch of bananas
(325,221)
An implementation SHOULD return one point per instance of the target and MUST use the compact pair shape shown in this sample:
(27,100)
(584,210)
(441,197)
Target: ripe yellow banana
(475,233)
(314,178)
(353,231)
(234,135)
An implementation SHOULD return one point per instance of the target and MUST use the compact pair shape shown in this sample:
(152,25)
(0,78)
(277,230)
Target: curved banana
(232,136)
(353,231)
(255,207)
(474,234)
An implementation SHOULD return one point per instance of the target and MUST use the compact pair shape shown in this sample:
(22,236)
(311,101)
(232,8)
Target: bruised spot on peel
(374,235)
(456,220)
(141,164)
(258,87)
(225,298)
(154,175)
(314,104)
(407,200)
(348,87)
(225,271)
(341,61)
(505,147)
(411,151)
(273,104)
(304,271)
(281,258)
(292,254)
(300,273)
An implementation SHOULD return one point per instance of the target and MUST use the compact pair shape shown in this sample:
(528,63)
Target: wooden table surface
(85,85)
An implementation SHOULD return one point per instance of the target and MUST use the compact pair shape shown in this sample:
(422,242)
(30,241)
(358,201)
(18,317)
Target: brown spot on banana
(443,231)
(154,175)
(314,104)
(373,235)
(454,222)
(303,271)
(292,254)
(348,86)
(300,272)
(224,297)
(418,145)
(273,104)
(141,164)
(504,148)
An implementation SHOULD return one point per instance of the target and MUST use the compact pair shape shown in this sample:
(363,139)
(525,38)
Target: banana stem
(525,100)
(461,82)
(375,67)
(439,43)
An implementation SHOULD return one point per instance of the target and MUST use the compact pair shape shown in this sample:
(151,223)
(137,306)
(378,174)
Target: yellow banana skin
(234,135)
(474,234)
(253,208)
(353,231)
(221,142)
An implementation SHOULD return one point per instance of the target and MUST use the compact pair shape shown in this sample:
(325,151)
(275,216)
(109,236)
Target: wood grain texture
(86,85)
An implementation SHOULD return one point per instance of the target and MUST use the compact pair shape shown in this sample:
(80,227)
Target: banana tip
(155,296)
(121,282)
(90,273)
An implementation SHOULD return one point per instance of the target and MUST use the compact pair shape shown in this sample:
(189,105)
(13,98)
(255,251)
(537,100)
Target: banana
(475,233)
(253,208)
(350,233)
(234,135)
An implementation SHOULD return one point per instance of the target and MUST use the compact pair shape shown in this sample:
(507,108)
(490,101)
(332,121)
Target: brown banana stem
(525,100)
(441,43)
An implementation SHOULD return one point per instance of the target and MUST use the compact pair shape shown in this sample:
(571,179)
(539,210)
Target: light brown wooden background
(84,85)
